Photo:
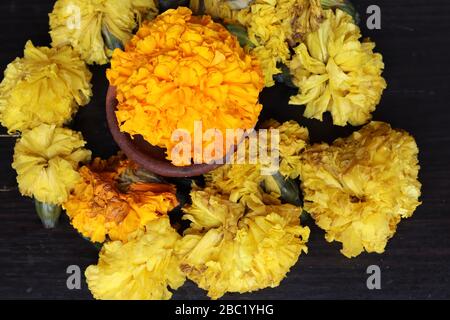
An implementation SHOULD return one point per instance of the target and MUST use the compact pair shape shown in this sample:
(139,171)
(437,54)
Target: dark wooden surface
(414,40)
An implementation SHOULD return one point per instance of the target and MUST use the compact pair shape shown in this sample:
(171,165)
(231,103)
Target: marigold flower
(179,69)
(359,188)
(336,72)
(234,248)
(141,269)
(46,159)
(95,27)
(99,207)
(45,86)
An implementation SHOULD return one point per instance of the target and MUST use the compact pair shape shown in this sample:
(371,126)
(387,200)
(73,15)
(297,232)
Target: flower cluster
(270,25)
(245,229)
(241,237)
(332,68)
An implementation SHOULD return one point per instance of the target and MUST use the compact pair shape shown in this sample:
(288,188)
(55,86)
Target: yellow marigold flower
(229,250)
(179,69)
(92,27)
(98,207)
(45,86)
(141,269)
(336,72)
(46,159)
(359,188)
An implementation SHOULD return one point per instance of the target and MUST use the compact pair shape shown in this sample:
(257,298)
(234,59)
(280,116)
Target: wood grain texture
(414,40)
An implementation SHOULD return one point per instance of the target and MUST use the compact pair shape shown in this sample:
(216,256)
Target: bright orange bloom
(179,69)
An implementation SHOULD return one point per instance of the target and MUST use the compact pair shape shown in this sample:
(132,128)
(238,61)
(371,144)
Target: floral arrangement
(208,62)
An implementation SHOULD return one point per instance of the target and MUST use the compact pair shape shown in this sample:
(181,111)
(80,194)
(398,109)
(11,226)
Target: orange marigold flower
(102,205)
(179,69)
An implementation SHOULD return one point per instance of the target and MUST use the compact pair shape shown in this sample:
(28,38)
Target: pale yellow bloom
(141,269)
(45,86)
(46,159)
(336,72)
(88,25)
(359,188)
(231,247)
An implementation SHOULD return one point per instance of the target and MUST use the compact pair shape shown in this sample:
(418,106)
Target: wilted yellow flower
(95,27)
(336,72)
(233,249)
(46,159)
(99,207)
(141,269)
(45,86)
(359,188)
(178,70)
(308,15)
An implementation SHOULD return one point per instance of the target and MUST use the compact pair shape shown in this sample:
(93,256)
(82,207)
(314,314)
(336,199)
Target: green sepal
(48,213)
(241,34)
(288,189)
(111,41)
